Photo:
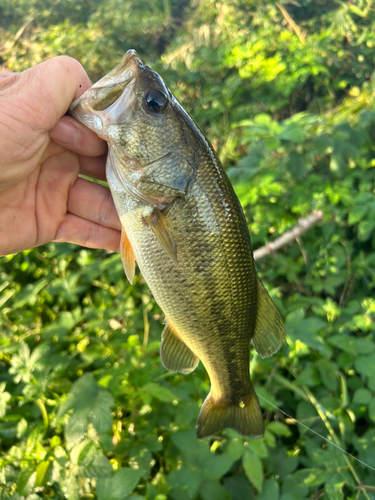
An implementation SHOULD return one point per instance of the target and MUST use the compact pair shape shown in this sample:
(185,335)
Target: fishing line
(317,433)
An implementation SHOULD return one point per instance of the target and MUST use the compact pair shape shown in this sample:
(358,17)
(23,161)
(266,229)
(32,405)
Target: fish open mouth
(109,88)
(89,107)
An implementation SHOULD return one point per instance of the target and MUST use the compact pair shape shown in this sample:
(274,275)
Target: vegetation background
(285,92)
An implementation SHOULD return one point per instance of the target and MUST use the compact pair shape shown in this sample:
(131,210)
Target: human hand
(42,152)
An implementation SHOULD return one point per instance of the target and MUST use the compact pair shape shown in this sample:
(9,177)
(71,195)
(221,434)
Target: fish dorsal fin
(269,332)
(157,221)
(175,354)
(127,256)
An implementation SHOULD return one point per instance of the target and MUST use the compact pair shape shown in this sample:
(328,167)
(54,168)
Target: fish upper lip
(130,54)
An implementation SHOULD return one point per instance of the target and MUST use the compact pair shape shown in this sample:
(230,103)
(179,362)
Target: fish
(183,225)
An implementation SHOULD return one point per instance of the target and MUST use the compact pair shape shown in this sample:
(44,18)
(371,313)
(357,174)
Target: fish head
(133,110)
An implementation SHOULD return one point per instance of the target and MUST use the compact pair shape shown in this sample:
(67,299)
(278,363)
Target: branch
(297,30)
(303,225)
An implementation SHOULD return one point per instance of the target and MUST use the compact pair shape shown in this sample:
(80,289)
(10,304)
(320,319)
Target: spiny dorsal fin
(243,415)
(175,354)
(269,332)
(159,224)
(127,256)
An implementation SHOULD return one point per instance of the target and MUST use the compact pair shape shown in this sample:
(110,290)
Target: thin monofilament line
(317,433)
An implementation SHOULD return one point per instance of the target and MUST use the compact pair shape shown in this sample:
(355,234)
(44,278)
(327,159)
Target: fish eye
(156,101)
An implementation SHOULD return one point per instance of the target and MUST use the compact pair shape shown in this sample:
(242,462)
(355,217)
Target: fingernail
(65,132)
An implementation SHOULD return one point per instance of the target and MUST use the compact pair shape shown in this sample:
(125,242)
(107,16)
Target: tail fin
(244,417)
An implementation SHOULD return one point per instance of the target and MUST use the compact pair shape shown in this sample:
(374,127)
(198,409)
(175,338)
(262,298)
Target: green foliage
(86,409)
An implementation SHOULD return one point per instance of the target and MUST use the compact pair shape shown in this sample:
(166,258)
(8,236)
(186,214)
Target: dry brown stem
(303,225)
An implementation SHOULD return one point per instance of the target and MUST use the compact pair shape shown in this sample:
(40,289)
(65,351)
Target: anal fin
(127,256)
(159,225)
(175,354)
(269,332)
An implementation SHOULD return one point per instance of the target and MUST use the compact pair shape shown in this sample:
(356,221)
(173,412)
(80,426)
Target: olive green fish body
(185,225)
(209,295)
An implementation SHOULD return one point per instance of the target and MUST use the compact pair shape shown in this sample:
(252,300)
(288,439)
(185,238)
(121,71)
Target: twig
(19,33)
(297,30)
(303,225)
(17,36)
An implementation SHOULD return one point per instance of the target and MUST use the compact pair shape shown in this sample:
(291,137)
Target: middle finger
(77,137)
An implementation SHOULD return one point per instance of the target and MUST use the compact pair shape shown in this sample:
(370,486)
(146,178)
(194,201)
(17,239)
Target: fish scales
(212,289)
(185,225)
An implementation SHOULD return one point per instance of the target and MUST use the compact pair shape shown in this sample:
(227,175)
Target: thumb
(41,95)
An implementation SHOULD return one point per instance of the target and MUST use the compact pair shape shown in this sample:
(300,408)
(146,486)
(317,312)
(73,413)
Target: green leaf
(365,365)
(152,443)
(328,370)
(334,487)
(365,229)
(270,490)
(357,11)
(235,449)
(210,490)
(253,468)
(186,478)
(83,453)
(26,481)
(261,119)
(4,398)
(362,396)
(279,428)
(21,427)
(99,467)
(41,473)
(357,213)
(187,442)
(119,485)
(214,466)
(159,392)
(371,409)
(70,487)
(258,446)
(351,344)
(90,404)
(239,487)
(292,132)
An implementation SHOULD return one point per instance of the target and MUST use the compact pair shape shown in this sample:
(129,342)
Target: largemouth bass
(184,226)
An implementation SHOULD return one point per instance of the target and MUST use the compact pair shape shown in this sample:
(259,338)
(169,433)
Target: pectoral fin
(175,354)
(127,256)
(159,225)
(269,332)
(167,177)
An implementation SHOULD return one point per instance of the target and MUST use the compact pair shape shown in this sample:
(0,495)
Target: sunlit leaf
(253,469)
(119,485)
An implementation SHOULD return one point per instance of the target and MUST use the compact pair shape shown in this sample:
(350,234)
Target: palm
(37,205)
